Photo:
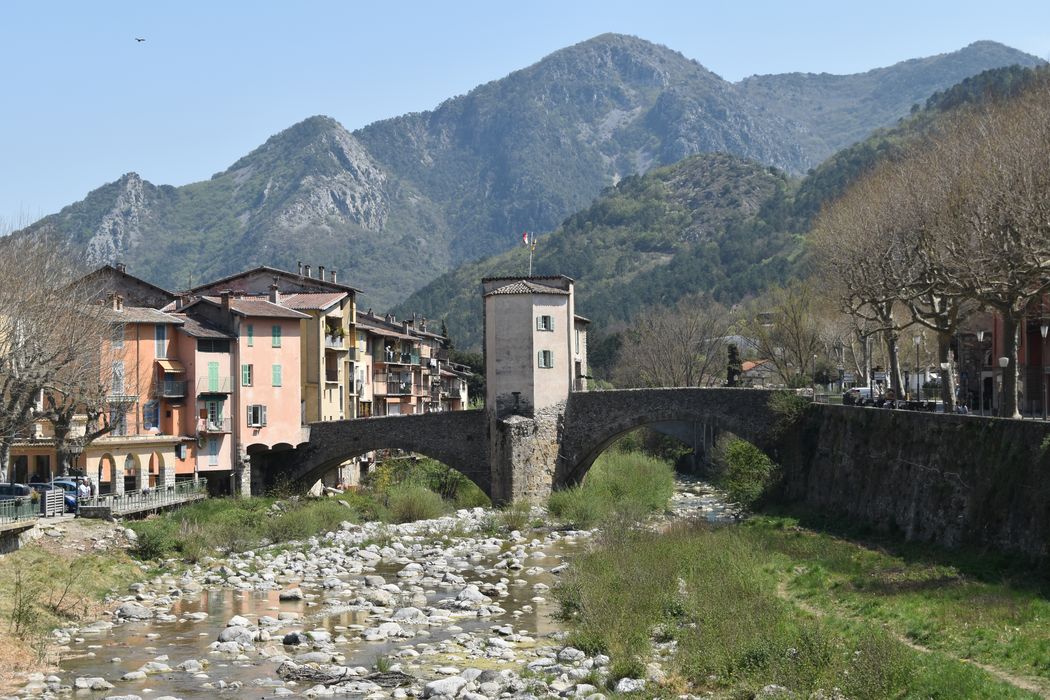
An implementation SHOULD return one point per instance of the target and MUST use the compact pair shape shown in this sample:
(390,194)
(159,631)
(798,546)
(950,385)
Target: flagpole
(532,249)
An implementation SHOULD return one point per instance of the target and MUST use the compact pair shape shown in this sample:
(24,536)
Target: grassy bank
(727,596)
(43,586)
(621,486)
(397,491)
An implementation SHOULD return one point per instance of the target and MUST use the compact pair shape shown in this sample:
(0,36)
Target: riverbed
(438,608)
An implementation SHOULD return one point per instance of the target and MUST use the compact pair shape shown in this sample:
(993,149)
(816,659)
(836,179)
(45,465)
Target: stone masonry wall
(524,453)
(947,479)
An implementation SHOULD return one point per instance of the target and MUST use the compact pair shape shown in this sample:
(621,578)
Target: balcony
(334,342)
(399,388)
(213,426)
(171,389)
(397,358)
(213,385)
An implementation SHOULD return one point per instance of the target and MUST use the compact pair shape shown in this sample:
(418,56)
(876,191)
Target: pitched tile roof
(312,300)
(196,328)
(527,287)
(256,306)
(139,314)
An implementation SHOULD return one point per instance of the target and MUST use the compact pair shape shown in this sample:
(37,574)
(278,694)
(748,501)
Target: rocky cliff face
(400,201)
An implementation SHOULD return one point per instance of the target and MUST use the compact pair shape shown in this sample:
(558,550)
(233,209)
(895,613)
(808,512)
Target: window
(118,335)
(276,375)
(151,415)
(213,345)
(577,341)
(545,323)
(213,413)
(251,335)
(119,420)
(118,377)
(545,359)
(246,375)
(160,338)
(275,337)
(256,416)
(213,452)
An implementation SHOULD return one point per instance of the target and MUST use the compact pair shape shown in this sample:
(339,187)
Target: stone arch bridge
(515,456)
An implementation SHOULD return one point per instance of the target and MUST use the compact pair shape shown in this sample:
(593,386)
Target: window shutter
(276,375)
(276,336)
(539,323)
(262,419)
(251,335)
(245,381)
(539,359)
(550,323)
(249,416)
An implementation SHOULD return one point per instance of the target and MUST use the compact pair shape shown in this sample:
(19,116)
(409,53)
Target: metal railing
(171,388)
(148,498)
(213,385)
(222,424)
(397,358)
(335,342)
(14,509)
(398,388)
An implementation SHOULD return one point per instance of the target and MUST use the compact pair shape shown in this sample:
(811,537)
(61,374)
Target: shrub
(156,539)
(746,471)
(414,502)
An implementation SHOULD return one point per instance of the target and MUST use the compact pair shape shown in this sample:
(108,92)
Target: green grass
(715,591)
(621,486)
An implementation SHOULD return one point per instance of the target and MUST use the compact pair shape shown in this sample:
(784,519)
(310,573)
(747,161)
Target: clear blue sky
(85,103)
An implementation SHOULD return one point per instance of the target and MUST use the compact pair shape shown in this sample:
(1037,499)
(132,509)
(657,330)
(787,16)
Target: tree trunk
(1009,408)
(896,377)
(944,356)
(5,459)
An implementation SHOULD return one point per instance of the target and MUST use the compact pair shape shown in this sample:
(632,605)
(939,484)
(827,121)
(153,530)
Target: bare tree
(684,346)
(42,316)
(785,330)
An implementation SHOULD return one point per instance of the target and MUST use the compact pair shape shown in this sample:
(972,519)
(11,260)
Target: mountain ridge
(399,201)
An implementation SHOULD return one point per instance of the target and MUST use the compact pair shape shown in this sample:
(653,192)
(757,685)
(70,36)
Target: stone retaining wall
(947,479)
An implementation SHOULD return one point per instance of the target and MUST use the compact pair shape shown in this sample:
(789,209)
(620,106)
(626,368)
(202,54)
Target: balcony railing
(335,342)
(222,424)
(171,389)
(398,388)
(213,385)
(397,358)
(121,398)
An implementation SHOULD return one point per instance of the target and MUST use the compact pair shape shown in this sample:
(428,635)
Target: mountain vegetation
(712,225)
(400,201)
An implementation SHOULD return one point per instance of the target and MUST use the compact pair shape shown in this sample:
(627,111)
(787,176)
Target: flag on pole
(525,238)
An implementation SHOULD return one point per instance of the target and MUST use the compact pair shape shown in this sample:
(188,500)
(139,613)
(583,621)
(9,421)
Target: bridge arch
(595,420)
(457,438)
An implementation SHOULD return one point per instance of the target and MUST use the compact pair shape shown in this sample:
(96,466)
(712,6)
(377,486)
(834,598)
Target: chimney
(121,267)
(180,302)
(275,294)
(332,273)
(306,270)
(423,323)
(407,325)
(300,268)
(320,272)
(390,318)
(225,296)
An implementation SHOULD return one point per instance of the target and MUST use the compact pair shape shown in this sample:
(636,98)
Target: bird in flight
(139,39)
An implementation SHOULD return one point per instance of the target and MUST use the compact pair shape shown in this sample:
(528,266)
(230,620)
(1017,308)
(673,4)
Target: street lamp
(917,339)
(1003,362)
(980,367)
(1043,328)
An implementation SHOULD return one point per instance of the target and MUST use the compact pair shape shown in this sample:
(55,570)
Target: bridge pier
(524,455)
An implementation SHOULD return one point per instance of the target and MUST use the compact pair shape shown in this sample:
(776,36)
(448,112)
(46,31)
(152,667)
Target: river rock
(444,686)
(91,683)
(630,685)
(237,633)
(294,639)
(134,611)
(291,594)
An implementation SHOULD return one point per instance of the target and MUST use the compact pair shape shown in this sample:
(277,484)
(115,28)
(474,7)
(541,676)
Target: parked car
(10,491)
(70,487)
(70,497)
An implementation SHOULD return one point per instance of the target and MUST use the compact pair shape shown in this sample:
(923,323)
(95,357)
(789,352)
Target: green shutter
(213,376)
(251,335)
(246,375)
(277,375)
(276,337)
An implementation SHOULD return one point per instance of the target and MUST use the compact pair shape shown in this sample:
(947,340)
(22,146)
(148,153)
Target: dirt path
(1038,686)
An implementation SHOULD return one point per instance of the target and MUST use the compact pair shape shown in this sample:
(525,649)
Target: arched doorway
(106,469)
(132,473)
(156,469)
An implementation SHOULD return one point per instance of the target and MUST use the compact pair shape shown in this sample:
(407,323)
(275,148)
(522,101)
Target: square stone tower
(529,333)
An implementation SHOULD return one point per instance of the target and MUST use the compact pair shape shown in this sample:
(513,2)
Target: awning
(171,365)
